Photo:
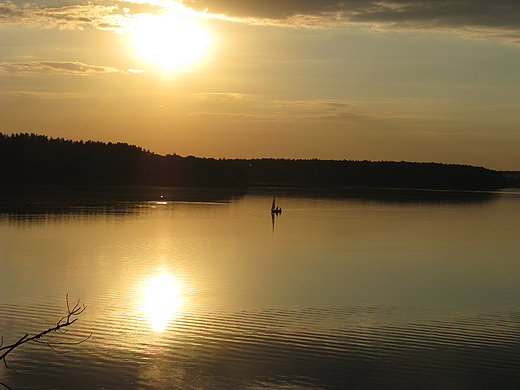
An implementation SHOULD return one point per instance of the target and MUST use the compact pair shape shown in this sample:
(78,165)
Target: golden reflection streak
(163,298)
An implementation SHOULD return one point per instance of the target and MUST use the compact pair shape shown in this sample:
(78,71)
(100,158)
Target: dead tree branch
(67,320)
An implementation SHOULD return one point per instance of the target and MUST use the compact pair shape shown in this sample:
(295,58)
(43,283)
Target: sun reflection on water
(163,298)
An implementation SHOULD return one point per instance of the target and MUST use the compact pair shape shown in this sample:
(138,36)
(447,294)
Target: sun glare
(170,41)
(163,299)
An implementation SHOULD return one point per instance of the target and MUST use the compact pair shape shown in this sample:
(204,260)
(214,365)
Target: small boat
(275,209)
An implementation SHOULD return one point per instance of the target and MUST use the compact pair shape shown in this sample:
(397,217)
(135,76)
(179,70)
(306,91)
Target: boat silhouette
(275,209)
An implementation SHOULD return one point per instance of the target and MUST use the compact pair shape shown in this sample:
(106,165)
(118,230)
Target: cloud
(44,95)
(290,111)
(224,114)
(498,13)
(134,71)
(472,18)
(218,95)
(319,110)
(72,16)
(335,113)
(70,67)
(499,18)
(79,16)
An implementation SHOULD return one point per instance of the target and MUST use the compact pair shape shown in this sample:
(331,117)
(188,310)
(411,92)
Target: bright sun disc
(171,41)
(162,300)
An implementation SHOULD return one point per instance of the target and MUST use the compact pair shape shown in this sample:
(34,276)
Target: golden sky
(414,80)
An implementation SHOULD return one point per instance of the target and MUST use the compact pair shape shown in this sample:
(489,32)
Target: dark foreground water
(202,289)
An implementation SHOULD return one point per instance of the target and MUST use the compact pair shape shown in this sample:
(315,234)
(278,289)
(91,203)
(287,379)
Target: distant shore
(38,159)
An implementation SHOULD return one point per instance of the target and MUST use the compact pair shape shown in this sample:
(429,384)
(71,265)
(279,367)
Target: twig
(61,325)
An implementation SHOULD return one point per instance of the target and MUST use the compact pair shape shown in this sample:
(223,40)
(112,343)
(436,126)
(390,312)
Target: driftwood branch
(71,317)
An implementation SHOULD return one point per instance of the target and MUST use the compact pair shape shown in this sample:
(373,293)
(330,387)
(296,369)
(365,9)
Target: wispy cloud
(72,16)
(134,71)
(328,111)
(218,95)
(319,110)
(290,111)
(70,67)
(44,95)
(225,114)
(102,17)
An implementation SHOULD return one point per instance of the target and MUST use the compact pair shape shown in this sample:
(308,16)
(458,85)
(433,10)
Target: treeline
(37,159)
(512,178)
(381,174)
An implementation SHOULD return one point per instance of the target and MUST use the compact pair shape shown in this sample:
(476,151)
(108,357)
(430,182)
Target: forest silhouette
(37,159)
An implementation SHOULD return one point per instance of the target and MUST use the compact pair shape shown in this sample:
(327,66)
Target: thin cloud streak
(225,114)
(217,95)
(307,111)
(321,110)
(70,67)
(45,95)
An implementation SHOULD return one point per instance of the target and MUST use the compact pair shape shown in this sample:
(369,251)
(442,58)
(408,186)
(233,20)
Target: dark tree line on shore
(512,178)
(381,174)
(37,159)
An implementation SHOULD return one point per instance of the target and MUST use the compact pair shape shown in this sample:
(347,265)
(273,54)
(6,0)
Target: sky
(400,80)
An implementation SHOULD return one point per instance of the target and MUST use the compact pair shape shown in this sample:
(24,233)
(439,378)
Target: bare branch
(3,384)
(67,320)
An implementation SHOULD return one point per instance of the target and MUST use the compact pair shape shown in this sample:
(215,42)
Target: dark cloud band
(426,13)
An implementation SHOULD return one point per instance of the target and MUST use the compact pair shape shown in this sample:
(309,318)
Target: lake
(205,289)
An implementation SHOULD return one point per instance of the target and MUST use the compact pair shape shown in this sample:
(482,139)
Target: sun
(171,41)
(163,298)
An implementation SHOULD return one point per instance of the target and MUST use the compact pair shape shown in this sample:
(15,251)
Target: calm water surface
(202,289)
